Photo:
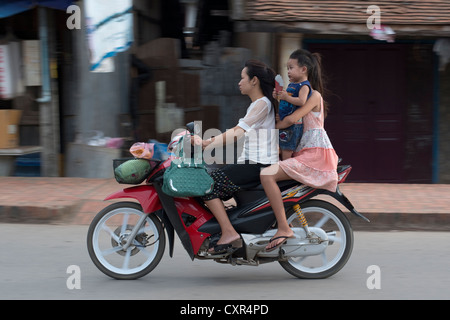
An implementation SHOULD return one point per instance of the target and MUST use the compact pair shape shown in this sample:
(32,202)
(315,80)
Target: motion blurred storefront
(30,82)
(72,109)
(389,101)
(67,101)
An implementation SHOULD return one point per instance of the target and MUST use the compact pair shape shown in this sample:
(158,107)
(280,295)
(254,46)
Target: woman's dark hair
(313,64)
(266,76)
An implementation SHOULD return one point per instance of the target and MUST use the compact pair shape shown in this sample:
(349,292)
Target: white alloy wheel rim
(108,255)
(322,262)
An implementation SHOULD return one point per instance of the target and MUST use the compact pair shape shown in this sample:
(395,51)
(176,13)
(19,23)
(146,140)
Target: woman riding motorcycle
(260,148)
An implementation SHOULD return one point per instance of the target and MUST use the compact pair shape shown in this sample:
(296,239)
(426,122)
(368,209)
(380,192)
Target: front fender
(146,195)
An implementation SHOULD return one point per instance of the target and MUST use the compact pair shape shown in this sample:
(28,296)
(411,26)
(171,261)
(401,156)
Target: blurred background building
(387,73)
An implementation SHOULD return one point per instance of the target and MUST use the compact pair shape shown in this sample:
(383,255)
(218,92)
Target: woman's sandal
(223,248)
(278,245)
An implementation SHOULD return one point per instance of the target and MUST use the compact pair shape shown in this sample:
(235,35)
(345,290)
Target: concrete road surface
(40,262)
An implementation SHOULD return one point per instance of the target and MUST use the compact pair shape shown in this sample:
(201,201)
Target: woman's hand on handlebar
(197,141)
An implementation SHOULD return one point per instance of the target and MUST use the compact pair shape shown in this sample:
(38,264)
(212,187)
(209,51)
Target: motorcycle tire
(322,214)
(107,233)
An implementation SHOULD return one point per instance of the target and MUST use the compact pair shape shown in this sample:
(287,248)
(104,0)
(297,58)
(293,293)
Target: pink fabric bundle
(142,150)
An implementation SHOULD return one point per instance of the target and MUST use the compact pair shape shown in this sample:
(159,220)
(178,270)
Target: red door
(367,106)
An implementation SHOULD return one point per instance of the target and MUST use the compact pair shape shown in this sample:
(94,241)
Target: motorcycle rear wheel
(331,219)
(109,231)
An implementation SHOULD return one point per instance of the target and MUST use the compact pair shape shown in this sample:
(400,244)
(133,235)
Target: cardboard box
(9,128)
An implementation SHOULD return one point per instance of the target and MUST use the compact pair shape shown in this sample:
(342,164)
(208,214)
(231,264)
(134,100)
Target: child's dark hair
(313,64)
(266,76)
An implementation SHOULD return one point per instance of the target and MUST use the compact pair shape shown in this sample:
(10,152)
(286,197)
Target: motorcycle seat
(284,184)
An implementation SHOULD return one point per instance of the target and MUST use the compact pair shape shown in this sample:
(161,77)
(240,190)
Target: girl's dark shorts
(232,177)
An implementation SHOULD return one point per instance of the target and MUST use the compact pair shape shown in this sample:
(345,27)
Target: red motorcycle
(126,240)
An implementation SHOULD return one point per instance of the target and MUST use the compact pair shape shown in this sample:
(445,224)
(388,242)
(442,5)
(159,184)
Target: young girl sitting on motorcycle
(314,163)
(257,82)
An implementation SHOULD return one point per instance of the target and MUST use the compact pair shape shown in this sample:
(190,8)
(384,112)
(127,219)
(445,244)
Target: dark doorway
(368,122)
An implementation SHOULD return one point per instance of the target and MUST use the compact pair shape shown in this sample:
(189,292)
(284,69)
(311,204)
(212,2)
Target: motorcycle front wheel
(110,230)
(332,220)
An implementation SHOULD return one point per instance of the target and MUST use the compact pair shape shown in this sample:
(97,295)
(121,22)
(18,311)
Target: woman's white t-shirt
(261,137)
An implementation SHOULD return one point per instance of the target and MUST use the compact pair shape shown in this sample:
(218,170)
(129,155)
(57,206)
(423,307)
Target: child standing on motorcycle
(257,82)
(295,96)
(313,164)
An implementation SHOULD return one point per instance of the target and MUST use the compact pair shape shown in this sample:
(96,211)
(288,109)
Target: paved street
(35,258)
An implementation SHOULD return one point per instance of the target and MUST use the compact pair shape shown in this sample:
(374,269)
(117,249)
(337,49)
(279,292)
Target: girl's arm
(296,101)
(310,104)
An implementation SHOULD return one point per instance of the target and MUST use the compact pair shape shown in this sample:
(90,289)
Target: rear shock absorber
(301,217)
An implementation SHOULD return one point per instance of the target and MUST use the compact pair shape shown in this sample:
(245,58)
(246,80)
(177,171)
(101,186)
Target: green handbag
(187,177)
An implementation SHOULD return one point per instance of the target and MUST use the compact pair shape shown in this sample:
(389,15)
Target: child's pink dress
(316,161)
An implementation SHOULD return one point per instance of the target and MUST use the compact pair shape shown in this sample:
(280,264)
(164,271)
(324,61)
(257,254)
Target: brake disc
(123,237)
